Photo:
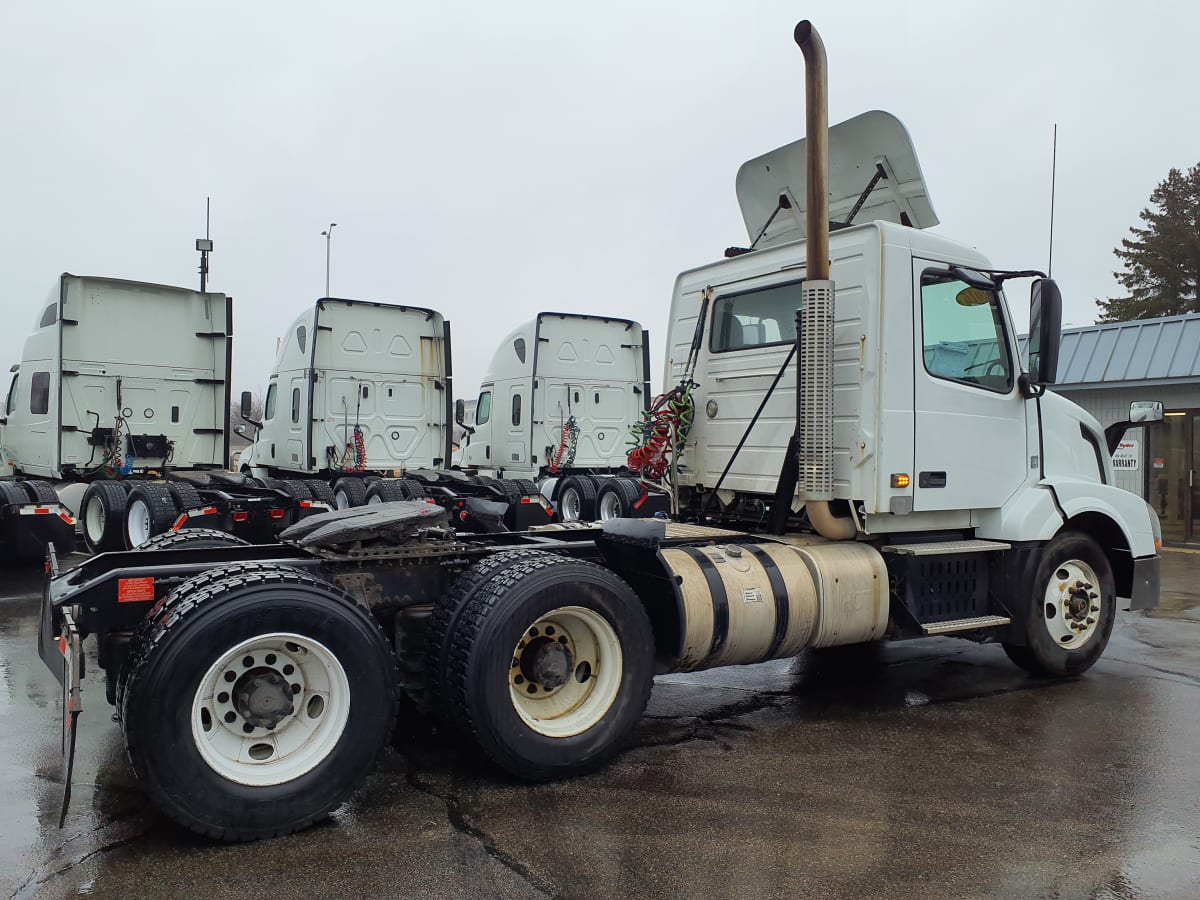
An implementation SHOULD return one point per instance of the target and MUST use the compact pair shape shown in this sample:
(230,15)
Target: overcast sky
(495,159)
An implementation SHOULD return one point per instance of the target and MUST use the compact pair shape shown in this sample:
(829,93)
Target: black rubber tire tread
(296,488)
(113,499)
(528,488)
(1039,654)
(517,749)
(627,495)
(586,488)
(387,490)
(444,620)
(321,490)
(185,494)
(490,482)
(355,490)
(194,538)
(159,501)
(40,491)
(11,492)
(416,490)
(512,490)
(158,644)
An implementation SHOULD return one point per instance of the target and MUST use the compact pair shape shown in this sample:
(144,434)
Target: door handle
(931,479)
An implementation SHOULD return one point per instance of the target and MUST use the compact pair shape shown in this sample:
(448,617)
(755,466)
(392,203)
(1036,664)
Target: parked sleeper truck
(931,485)
(359,403)
(122,389)
(556,408)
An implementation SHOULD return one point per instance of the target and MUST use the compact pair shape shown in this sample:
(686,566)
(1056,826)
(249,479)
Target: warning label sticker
(135,590)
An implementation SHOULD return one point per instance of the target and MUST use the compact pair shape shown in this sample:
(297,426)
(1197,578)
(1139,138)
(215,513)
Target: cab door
(970,417)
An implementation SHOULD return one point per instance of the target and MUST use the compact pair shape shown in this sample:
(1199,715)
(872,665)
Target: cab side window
(962,331)
(483,409)
(12,395)
(269,406)
(39,394)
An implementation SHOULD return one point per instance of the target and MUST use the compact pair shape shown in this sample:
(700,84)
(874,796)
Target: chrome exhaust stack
(814,376)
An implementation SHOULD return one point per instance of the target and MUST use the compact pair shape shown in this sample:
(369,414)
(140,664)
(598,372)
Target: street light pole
(328,235)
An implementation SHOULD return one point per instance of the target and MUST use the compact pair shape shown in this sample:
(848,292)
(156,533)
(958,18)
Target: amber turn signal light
(901,480)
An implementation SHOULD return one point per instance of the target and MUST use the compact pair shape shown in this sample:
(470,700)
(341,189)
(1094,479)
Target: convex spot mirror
(1146,411)
(1045,331)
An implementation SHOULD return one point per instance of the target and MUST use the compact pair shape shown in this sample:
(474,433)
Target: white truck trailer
(556,407)
(121,385)
(913,477)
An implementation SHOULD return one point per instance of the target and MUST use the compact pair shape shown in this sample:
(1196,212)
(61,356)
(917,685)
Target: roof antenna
(205,244)
(1053,171)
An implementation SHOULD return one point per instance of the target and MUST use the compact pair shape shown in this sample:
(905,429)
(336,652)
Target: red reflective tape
(135,590)
(67,517)
(305,504)
(526,500)
(62,646)
(41,511)
(179,522)
(209,511)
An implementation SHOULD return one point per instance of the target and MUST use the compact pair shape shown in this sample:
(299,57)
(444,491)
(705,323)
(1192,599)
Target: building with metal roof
(1105,367)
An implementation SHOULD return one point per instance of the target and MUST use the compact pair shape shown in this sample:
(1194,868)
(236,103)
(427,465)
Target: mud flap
(72,704)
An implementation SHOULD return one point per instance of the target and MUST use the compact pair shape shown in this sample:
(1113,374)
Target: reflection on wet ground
(933,768)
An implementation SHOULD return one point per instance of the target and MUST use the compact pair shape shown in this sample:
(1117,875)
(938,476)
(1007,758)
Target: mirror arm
(1115,432)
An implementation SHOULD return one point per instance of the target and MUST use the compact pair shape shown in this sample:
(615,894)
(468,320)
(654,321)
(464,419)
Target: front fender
(1128,511)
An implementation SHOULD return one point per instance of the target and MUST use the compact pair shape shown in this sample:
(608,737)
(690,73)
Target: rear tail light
(277,513)
(241,516)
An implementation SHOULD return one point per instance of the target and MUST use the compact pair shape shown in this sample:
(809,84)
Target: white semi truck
(359,404)
(122,386)
(887,470)
(556,407)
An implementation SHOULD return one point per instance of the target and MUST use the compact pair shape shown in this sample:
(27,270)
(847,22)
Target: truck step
(965,624)
(944,548)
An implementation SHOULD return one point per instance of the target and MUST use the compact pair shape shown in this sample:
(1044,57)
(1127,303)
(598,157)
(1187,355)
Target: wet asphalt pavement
(927,769)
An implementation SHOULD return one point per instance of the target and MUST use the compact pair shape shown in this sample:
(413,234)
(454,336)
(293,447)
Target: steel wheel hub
(1072,604)
(270,709)
(566,671)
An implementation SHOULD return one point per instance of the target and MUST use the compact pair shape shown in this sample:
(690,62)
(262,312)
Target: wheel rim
(1072,604)
(137,523)
(373,499)
(94,520)
(570,506)
(342,500)
(610,506)
(566,672)
(270,709)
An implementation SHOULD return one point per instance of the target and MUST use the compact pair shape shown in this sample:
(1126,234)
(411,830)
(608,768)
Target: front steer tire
(187,642)
(532,603)
(1056,643)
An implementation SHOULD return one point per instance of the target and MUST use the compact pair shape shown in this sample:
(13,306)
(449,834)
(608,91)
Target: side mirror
(1045,331)
(460,411)
(247,401)
(1143,411)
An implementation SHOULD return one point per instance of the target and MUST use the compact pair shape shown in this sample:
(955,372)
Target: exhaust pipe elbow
(829,526)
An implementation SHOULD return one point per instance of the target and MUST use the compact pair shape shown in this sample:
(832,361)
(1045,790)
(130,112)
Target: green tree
(1161,258)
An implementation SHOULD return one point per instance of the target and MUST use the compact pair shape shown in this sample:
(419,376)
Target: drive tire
(200,633)
(443,622)
(40,491)
(149,510)
(185,495)
(576,501)
(11,492)
(102,514)
(296,488)
(349,492)
(1073,569)
(386,490)
(414,489)
(600,704)
(321,491)
(616,499)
